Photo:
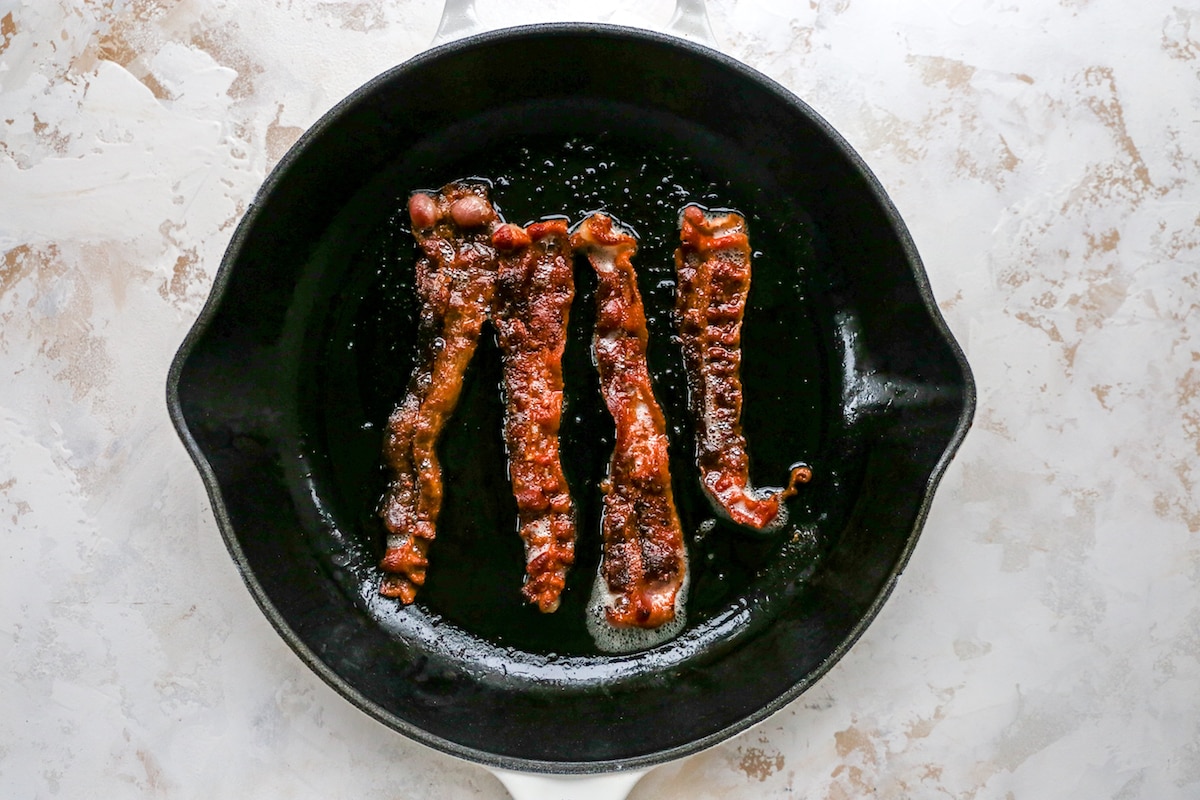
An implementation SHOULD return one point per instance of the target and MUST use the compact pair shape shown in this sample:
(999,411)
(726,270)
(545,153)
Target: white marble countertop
(1044,641)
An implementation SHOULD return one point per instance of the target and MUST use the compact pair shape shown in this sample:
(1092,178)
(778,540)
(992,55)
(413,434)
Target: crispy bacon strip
(644,560)
(534,289)
(713,269)
(456,277)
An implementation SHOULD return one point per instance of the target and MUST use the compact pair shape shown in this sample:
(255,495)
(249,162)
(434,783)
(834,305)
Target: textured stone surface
(1044,640)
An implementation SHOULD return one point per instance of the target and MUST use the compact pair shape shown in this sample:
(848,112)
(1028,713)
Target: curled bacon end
(644,559)
(534,289)
(455,282)
(712,265)
(800,474)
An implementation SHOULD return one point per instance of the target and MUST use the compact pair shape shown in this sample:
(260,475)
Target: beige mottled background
(1044,641)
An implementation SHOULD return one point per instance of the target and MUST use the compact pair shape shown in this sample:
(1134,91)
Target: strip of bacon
(644,560)
(534,289)
(712,265)
(456,277)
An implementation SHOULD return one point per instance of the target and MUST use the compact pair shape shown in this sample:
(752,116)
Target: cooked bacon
(534,289)
(713,269)
(456,277)
(644,559)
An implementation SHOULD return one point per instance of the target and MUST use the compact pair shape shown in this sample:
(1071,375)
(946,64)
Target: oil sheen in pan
(476,563)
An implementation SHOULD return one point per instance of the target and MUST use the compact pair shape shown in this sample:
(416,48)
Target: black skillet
(281,388)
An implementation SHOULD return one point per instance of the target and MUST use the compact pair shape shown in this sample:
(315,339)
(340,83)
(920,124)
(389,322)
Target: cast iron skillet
(280,390)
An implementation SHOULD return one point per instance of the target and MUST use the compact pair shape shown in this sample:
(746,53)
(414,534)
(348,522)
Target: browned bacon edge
(456,275)
(712,265)
(644,558)
(534,289)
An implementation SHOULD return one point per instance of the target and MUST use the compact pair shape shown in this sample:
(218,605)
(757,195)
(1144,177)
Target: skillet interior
(282,386)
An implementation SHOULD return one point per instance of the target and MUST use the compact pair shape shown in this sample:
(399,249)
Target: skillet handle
(690,21)
(608,786)
(458,20)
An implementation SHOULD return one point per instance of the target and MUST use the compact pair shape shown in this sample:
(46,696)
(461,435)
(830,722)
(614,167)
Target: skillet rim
(231,255)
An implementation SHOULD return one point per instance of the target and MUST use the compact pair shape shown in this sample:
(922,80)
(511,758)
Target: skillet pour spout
(281,389)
